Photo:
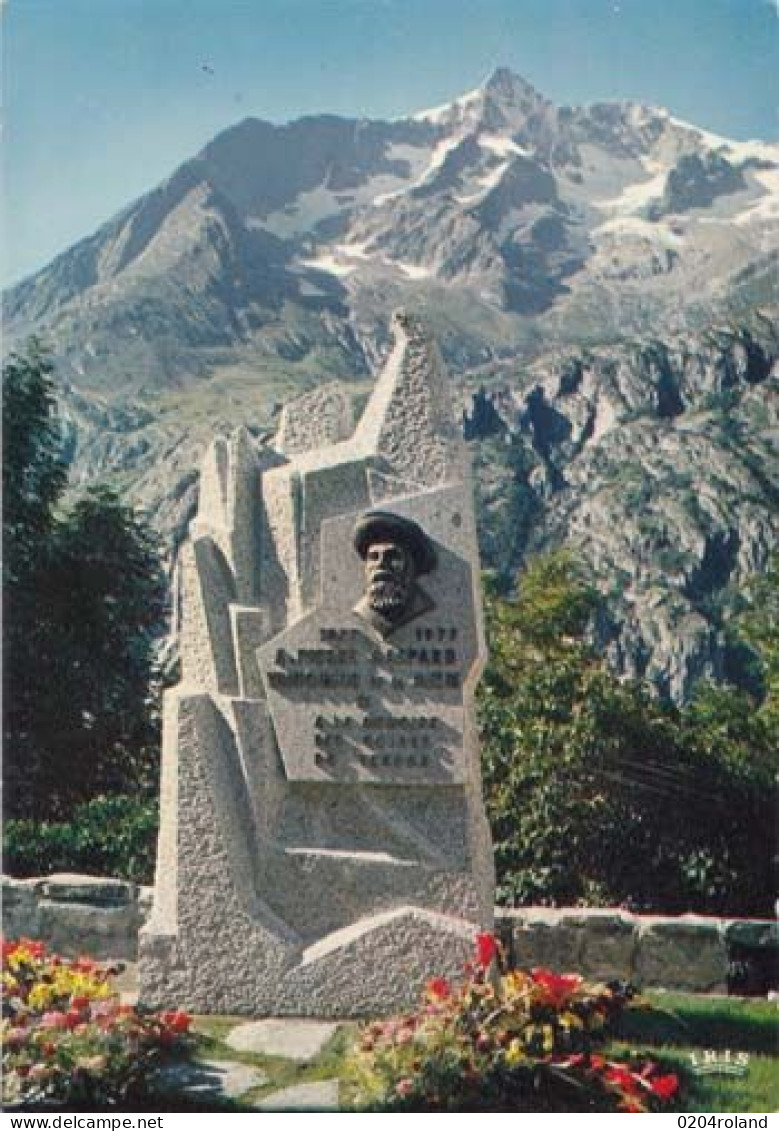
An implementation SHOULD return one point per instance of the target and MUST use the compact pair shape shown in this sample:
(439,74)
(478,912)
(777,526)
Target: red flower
(79,1002)
(35,949)
(558,988)
(625,1080)
(486,949)
(664,1087)
(439,987)
(176,1021)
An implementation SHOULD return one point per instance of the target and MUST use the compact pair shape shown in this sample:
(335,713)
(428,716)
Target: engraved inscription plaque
(349,706)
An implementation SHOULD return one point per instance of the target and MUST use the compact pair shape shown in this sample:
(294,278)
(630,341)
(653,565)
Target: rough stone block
(286,1037)
(381,963)
(551,947)
(752,933)
(20,909)
(101,932)
(689,953)
(609,946)
(67,887)
(314,1095)
(316,419)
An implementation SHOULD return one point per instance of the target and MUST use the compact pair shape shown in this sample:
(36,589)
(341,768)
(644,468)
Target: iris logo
(719,1062)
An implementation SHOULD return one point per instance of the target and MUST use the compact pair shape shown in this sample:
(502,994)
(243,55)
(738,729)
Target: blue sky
(103,98)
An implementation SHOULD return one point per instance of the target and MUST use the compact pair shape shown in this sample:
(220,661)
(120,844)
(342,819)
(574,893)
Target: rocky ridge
(657,464)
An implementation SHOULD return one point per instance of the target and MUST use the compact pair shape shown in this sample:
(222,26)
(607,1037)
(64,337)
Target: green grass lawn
(680,1027)
(672,1028)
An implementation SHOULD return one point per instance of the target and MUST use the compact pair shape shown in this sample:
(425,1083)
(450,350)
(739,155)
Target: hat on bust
(382,526)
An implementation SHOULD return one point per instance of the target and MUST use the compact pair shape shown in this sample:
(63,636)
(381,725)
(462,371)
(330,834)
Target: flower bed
(518,1041)
(67,1039)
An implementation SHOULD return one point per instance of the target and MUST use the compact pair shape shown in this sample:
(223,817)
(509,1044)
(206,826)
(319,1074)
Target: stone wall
(77,914)
(685,952)
(101,917)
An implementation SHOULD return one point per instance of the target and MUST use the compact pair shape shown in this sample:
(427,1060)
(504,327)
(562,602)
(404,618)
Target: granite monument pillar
(323,846)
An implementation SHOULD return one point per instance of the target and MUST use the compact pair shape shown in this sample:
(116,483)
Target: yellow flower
(572,1021)
(41,995)
(515,1053)
(548,1037)
(19,958)
(514,982)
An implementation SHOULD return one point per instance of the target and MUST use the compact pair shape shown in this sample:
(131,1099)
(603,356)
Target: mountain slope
(601,279)
(560,223)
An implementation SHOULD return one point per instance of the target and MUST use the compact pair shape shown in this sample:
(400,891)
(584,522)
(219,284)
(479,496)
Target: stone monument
(323,846)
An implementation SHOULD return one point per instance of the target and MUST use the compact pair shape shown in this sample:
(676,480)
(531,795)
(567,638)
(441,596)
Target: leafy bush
(109,836)
(599,794)
(66,1037)
(504,1042)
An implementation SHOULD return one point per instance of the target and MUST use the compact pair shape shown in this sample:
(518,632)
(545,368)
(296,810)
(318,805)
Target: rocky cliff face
(658,464)
(572,263)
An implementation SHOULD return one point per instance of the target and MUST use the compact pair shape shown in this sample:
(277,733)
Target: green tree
(760,627)
(596,792)
(34,470)
(84,600)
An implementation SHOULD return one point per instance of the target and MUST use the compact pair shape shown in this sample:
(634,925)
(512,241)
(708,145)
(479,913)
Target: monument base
(233,953)
(371,968)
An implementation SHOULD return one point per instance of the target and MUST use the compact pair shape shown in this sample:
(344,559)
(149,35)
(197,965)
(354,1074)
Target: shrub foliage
(84,601)
(108,836)
(596,792)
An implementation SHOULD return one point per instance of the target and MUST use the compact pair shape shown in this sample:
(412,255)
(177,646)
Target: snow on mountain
(576,261)
(503,202)
(450,111)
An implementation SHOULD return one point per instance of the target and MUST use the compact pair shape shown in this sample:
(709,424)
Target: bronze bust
(396,551)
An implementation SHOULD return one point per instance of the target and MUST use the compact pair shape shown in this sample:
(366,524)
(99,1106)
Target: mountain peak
(503,95)
(507,86)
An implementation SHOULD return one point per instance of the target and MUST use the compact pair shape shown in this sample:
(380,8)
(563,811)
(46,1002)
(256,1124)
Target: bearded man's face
(389,572)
